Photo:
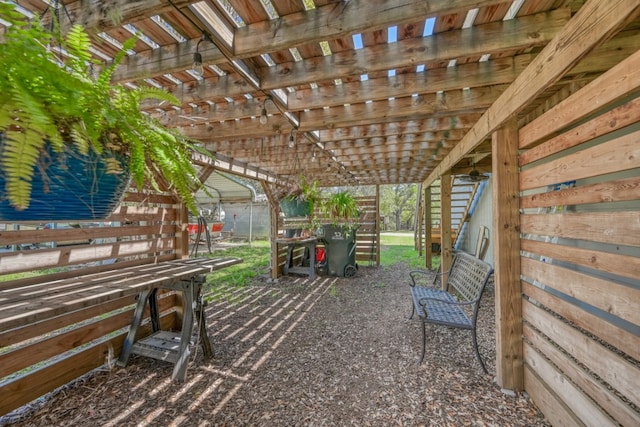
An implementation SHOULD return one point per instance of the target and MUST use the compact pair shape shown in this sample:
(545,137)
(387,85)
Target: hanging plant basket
(294,207)
(71,186)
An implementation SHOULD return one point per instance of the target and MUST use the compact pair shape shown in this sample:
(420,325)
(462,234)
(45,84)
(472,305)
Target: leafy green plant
(342,207)
(50,97)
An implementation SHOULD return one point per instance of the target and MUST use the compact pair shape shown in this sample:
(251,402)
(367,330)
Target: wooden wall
(38,357)
(580,253)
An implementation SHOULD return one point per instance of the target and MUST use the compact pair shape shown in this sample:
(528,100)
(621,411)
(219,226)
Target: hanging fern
(56,101)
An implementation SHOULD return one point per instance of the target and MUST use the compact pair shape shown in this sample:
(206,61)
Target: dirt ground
(332,352)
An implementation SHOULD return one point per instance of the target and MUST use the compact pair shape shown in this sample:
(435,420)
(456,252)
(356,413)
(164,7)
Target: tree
(398,203)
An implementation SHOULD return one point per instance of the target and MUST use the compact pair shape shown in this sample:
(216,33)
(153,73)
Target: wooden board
(609,401)
(618,372)
(129,282)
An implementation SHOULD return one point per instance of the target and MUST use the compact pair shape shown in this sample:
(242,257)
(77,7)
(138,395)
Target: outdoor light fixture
(263,114)
(197,63)
(197,67)
(313,155)
(292,139)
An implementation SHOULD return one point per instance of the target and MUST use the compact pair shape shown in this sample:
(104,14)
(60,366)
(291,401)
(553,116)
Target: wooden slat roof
(373,91)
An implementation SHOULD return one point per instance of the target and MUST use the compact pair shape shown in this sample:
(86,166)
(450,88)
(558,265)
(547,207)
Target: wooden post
(378,226)
(273,235)
(446,249)
(508,289)
(417,234)
(428,253)
(182,232)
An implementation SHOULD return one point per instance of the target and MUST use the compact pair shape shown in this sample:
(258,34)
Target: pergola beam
(594,22)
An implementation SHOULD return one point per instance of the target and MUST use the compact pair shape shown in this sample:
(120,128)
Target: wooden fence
(580,256)
(39,356)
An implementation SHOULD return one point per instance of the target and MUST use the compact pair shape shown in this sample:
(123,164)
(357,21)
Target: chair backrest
(468,276)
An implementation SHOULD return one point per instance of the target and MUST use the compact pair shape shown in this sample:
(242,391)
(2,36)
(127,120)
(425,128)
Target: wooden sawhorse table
(310,244)
(169,346)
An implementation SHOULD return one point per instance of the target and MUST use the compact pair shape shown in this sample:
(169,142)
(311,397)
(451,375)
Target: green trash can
(340,247)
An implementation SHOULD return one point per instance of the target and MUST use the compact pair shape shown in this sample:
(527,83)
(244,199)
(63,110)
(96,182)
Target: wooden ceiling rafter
(372,109)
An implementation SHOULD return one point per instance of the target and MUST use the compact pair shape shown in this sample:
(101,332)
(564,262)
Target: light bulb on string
(197,67)
(263,115)
(292,139)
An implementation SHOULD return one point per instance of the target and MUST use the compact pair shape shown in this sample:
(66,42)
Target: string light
(197,67)
(263,115)
(292,139)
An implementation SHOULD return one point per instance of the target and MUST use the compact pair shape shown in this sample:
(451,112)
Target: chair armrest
(429,276)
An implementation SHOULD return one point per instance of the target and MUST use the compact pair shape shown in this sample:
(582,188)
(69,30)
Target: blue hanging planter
(74,187)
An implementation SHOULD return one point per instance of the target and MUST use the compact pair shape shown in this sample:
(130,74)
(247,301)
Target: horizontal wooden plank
(616,155)
(41,381)
(617,83)
(618,372)
(148,198)
(580,404)
(548,401)
(67,287)
(88,234)
(134,281)
(595,389)
(32,330)
(128,214)
(619,300)
(15,262)
(621,265)
(615,119)
(41,350)
(625,341)
(604,192)
(28,281)
(618,228)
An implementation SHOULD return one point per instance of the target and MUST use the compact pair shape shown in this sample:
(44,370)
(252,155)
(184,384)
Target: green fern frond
(106,74)
(151,92)
(78,45)
(20,153)
(43,102)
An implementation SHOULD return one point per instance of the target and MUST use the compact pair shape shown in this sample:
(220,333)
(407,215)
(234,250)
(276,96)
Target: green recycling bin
(340,247)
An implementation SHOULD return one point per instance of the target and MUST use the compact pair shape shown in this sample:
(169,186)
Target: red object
(320,254)
(193,228)
(217,226)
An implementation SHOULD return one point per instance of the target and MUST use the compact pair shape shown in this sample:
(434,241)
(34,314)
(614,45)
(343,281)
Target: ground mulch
(328,352)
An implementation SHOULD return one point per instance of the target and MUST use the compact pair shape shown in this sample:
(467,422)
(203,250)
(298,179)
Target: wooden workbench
(46,300)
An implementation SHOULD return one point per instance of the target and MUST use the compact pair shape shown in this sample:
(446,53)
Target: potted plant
(301,200)
(339,236)
(342,207)
(54,108)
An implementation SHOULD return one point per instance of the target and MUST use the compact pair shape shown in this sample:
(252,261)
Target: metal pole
(250,223)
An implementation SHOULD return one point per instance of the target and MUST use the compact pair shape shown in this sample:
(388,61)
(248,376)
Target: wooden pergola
(373,92)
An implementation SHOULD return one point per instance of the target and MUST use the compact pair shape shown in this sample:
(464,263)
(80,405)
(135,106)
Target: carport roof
(225,189)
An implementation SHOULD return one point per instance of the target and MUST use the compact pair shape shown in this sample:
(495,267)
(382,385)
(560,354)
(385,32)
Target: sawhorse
(163,345)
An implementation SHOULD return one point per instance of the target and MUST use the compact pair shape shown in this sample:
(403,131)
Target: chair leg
(475,346)
(424,341)
(413,310)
